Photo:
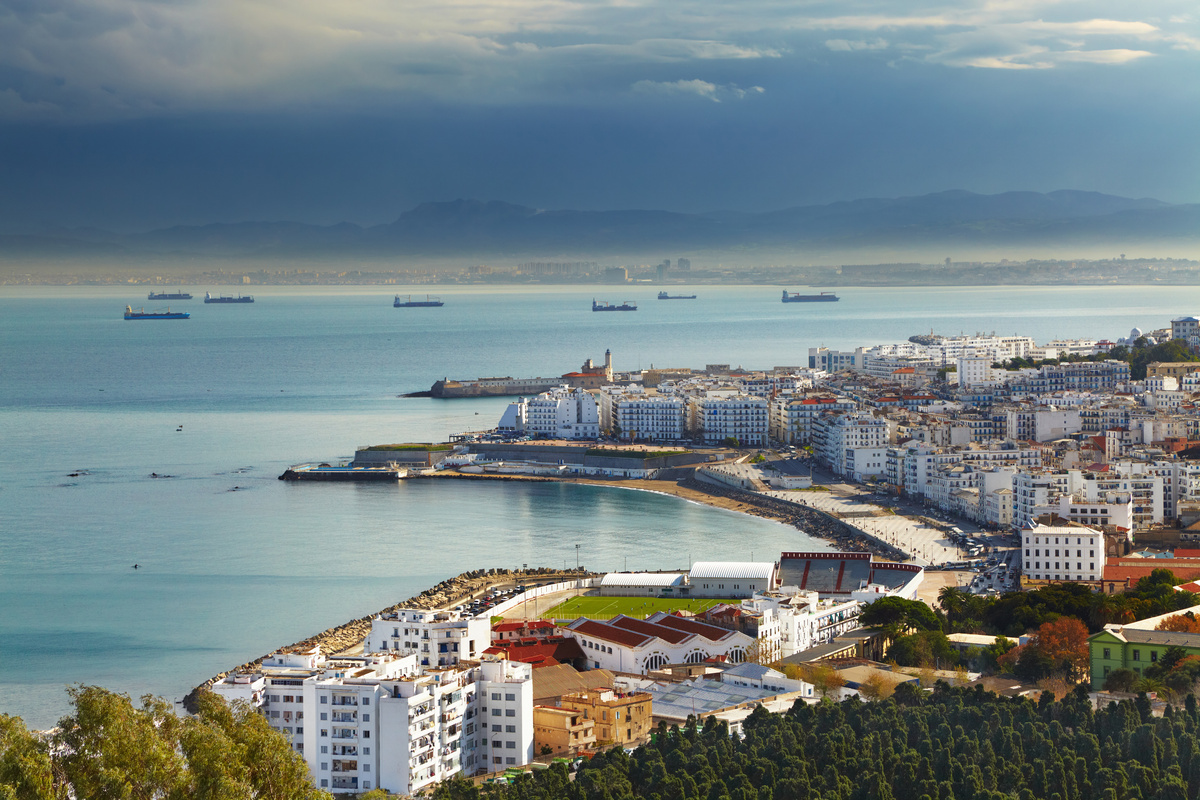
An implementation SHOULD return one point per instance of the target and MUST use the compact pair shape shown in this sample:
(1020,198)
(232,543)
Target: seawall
(447,593)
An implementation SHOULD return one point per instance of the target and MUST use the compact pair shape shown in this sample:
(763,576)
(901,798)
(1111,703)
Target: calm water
(234,562)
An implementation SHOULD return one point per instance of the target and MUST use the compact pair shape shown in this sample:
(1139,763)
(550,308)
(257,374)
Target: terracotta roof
(713,633)
(610,633)
(548,651)
(671,635)
(1121,573)
(1184,552)
(504,627)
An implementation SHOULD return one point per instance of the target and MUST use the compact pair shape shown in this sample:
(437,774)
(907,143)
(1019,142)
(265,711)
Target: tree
(875,687)
(1181,623)
(1121,680)
(25,768)
(1064,644)
(897,615)
(824,678)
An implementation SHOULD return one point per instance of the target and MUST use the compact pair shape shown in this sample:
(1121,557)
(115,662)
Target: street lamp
(576,556)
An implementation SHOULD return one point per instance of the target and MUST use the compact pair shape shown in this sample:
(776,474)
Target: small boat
(605,306)
(665,296)
(142,314)
(176,295)
(408,302)
(796,297)
(208,298)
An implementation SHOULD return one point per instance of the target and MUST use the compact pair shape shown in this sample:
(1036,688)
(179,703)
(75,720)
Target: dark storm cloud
(359,109)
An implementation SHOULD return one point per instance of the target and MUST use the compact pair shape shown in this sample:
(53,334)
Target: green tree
(25,767)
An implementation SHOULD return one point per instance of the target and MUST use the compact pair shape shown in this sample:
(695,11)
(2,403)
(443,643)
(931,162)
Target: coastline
(813,522)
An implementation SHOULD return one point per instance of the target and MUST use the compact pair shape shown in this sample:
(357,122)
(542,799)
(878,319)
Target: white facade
(720,415)
(436,638)
(560,413)
(1062,553)
(791,419)
(384,722)
(836,434)
(624,644)
(974,371)
(653,417)
(730,578)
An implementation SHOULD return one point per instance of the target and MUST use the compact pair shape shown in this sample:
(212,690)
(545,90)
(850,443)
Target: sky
(130,115)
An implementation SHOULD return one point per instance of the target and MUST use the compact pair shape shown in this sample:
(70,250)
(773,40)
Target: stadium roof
(646,579)
(730,570)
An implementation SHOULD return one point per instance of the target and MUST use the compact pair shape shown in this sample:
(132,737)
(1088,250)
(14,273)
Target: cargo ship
(208,298)
(605,306)
(168,314)
(180,295)
(408,302)
(665,296)
(823,297)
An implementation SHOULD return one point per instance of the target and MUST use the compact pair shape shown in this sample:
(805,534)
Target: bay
(233,562)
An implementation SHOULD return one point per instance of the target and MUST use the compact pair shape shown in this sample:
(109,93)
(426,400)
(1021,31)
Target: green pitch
(609,607)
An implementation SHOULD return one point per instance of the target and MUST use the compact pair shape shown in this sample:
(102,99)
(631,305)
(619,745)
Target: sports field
(608,607)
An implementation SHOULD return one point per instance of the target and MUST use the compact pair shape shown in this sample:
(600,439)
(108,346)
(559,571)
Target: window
(1137,655)
(324,783)
(324,732)
(495,712)
(367,768)
(366,734)
(495,695)
(324,766)
(509,760)
(324,715)
(1153,655)
(324,699)
(324,748)
(1108,652)
(366,717)
(496,728)
(510,745)
(510,728)
(366,701)
(497,760)
(510,712)
(510,697)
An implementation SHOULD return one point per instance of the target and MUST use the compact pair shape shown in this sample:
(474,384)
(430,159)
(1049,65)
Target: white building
(382,722)
(1062,553)
(625,644)
(719,415)
(730,578)
(974,371)
(560,413)
(436,638)
(791,419)
(644,416)
(835,435)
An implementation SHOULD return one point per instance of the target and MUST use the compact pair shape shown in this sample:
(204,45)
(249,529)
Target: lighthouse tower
(608,371)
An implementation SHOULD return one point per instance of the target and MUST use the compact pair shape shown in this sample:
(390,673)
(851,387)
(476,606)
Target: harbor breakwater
(448,593)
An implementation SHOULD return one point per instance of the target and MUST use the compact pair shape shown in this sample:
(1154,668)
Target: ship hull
(811,299)
(224,300)
(157,316)
(172,296)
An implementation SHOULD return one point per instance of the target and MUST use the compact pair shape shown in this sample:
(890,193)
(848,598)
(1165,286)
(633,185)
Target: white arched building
(626,644)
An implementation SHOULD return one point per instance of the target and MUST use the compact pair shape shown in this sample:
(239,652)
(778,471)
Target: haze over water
(235,563)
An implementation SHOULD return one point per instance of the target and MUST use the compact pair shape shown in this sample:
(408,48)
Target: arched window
(654,661)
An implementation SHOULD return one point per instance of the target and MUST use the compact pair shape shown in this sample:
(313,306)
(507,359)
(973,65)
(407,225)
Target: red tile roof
(711,632)
(540,652)
(1183,552)
(650,629)
(610,633)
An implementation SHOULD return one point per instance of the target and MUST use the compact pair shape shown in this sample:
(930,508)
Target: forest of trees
(951,744)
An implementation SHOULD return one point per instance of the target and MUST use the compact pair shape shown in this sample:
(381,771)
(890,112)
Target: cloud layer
(80,59)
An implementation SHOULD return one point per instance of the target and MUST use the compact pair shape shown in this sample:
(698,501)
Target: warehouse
(730,578)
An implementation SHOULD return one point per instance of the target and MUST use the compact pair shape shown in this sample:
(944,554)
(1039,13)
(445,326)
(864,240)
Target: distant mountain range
(494,229)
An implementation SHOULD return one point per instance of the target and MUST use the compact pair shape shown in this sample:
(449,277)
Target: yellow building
(562,730)
(619,718)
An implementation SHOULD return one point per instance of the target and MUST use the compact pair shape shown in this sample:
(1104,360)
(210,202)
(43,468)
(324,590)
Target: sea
(159,443)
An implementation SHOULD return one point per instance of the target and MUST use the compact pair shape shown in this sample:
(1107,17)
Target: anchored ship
(605,306)
(208,298)
(796,297)
(428,302)
(142,314)
(665,296)
(179,295)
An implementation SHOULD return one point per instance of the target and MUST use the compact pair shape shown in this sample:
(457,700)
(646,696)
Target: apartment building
(718,415)
(791,419)
(836,436)
(383,721)
(436,638)
(619,717)
(1062,552)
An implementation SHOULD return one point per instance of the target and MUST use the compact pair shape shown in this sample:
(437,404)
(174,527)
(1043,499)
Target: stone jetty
(446,594)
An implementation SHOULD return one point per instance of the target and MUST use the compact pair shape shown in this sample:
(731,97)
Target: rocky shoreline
(449,592)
